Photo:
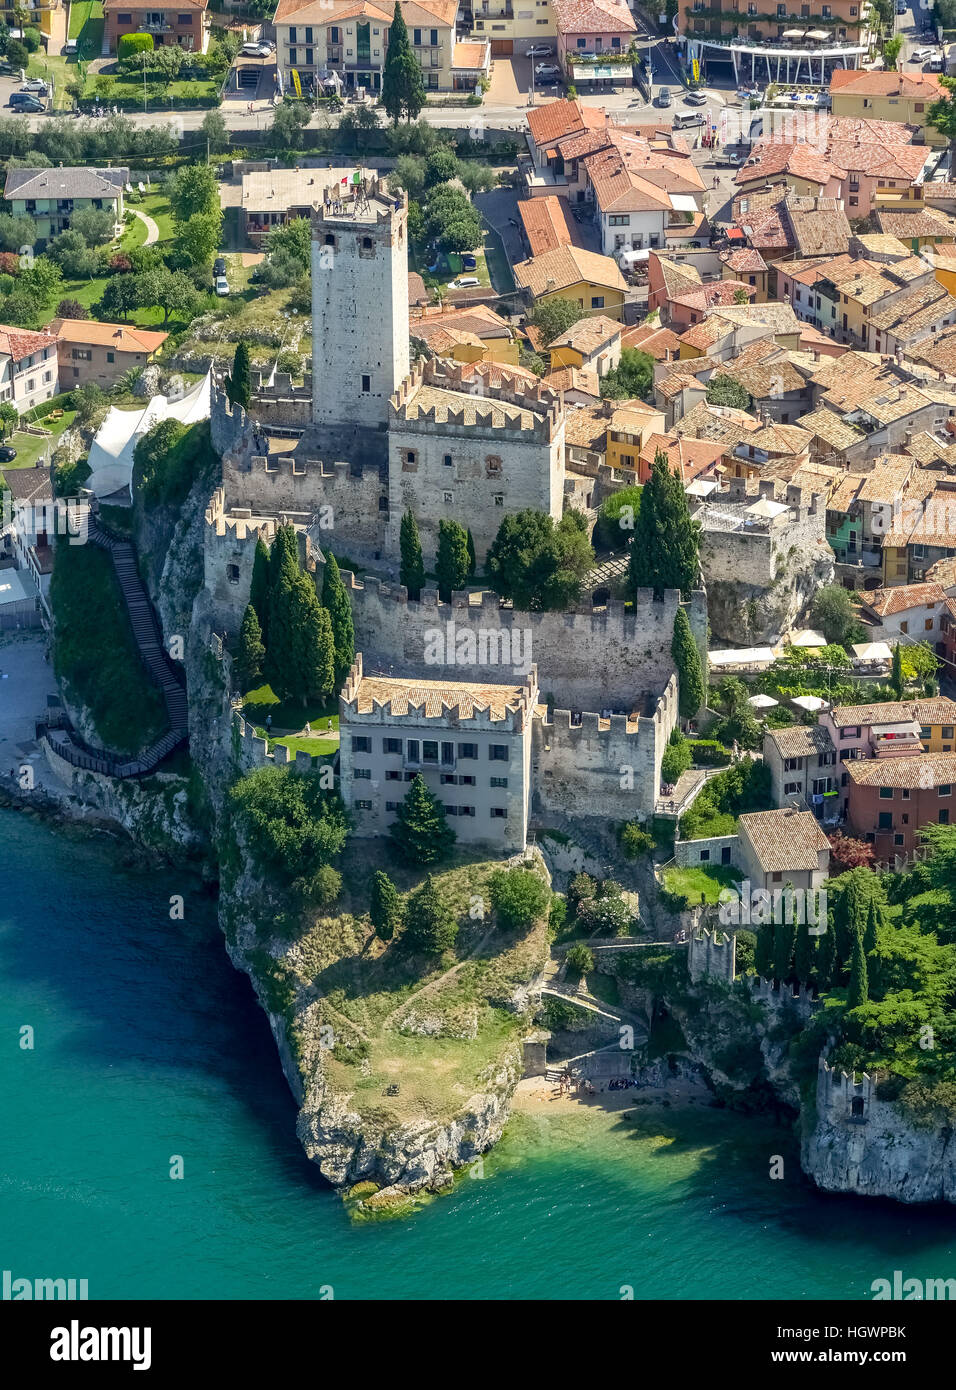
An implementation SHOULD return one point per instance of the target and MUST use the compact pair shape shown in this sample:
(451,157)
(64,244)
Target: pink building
(589,28)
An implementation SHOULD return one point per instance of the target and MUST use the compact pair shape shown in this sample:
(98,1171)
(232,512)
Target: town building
(594,282)
(28,367)
(802,762)
(887,96)
(90,351)
(50,197)
(889,800)
(186,24)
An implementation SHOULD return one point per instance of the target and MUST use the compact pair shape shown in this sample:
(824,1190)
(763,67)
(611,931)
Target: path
(152,231)
(433,984)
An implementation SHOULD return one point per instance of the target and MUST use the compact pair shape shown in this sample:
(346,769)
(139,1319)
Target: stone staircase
(165,675)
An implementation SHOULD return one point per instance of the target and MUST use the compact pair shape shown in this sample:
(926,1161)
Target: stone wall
(687,853)
(711,953)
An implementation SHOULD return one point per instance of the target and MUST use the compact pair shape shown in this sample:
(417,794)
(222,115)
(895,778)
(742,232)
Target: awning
(871,651)
(809,637)
(762,701)
(811,703)
(793,34)
(583,72)
(683,202)
(820,34)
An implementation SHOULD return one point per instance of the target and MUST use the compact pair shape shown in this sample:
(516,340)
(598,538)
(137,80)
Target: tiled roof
(463,699)
(417,292)
(781,439)
(495,375)
(918,86)
(763,369)
(907,225)
(588,335)
(828,426)
(687,457)
(780,318)
(886,602)
(921,308)
(24,484)
(566,266)
(71,182)
(560,118)
(123,337)
(744,262)
(722,424)
(20,342)
(547,224)
(586,428)
(592,17)
(938,710)
(923,771)
(819,226)
(582,379)
(784,840)
(415,12)
(470,55)
(801,740)
(656,342)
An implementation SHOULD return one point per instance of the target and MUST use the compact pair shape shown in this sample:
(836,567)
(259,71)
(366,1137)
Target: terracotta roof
(923,771)
(801,740)
(588,335)
(582,379)
(686,457)
(470,55)
(885,602)
(437,698)
(938,710)
(723,424)
(18,343)
(417,291)
(744,262)
(784,840)
(123,337)
(567,266)
(781,439)
(560,118)
(907,225)
(919,86)
(495,375)
(322,12)
(592,17)
(656,342)
(586,428)
(826,425)
(547,224)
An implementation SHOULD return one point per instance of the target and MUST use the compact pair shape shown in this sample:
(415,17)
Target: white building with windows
(28,367)
(470,742)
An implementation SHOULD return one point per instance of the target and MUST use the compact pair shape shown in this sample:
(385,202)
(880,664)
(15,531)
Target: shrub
(635,840)
(709,752)
(616,517)
(131,44)
(579,959)
(520,897)
(676,759)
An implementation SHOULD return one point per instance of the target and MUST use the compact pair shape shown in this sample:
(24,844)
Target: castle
(369,436)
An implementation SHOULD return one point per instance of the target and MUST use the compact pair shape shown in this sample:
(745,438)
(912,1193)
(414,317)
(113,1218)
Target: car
(469,262)
(663,97)
(7,455)
(221,286)
(71,46)
(726,159)
(464,282)
(695,99)
(219,266)
(35,84)
(26,102)
(256,50)
(539,50)
(920,55)
(547,72)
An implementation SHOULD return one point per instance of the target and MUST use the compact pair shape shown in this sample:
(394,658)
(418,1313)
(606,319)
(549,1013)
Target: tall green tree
(451,566)
(784,938)
(239,382)
(385,906)
(403,87)
(763,951)
(251,650)
(664,551)
(826,958)
(430,924)
(690,672)
(193,189)
(472,557)
(300,658)
(420,830)
(537,564)
(896,672)
(259,588)
(412,568)
(338,605)
(859,990)
(803,953)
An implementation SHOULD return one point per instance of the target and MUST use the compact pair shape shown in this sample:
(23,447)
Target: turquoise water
(149,1046)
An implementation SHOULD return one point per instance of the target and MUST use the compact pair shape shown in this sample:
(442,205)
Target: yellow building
(888,96)
(472,334)
(511,27)
(593,282)
(629,427)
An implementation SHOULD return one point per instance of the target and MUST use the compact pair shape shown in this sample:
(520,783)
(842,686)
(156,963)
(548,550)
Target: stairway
(164,673)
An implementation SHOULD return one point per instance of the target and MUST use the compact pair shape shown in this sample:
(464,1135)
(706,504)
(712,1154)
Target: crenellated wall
(712,954)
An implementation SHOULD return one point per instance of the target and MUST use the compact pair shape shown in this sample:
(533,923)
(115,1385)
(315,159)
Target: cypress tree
(251,650)
(874,920)
(403,87)
(803,953)
(472,557)
(664,548)
(239,382)
(430,924)
(259,589)
(336,601)
(826,959)
(852,905)
(420,830)
(451,566)
(690,673)
(412,569)
(859,990)
(300,657)
(385,907)
(763,951)
(896,672)
(784,936)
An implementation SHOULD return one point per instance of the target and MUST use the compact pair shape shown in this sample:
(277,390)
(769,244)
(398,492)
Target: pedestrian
(330,726)
(308,726)
(268,723)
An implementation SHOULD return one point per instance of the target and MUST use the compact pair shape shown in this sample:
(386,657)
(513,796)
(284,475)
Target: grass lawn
(31,447)
(129,91)
(315,747)
(290,717)
(699,881)
(156,205)
(498,264)
(86,24)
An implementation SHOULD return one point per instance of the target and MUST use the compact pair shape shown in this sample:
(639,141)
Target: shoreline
(534,1095)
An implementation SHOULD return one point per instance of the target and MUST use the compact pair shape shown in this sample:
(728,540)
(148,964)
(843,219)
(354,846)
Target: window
(391,745)
(906,793)
(499,781)
(412,750)
(329,239)
(499,813)
(886,793)
(232,574)
(944,817)
(293,56)
(363,805)
(885,821)
(448,461)
(185,18)
(394,776)
(430,750)
(447,497)
(499,499)
(792,788)
(389,805)
(927,624)
(898,839)
(362,774)
(498,752)
(944,789)
(409,460)
(946,731)
(704,856)
(776,878)
(111,357)
(361,743)
(792,764)
(366,383)
(467,750)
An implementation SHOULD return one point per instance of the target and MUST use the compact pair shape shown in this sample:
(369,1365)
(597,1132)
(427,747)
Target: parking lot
(9,85)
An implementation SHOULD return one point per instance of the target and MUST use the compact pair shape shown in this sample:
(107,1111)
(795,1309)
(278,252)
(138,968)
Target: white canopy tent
(872,651)
(762,701)
(111,453)
(809,637)
(811,703)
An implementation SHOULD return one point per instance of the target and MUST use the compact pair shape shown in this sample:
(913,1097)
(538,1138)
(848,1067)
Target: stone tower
(360,350)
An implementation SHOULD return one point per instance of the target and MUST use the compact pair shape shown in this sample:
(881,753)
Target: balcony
(420,764)
(896,740)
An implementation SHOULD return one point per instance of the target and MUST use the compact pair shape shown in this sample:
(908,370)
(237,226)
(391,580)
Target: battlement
(294,466)
(368,204)
(432,398)
(464,704)
(841,1097)
(712,953)
(776,995)
(254,751)
(748,490)
(238,524)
